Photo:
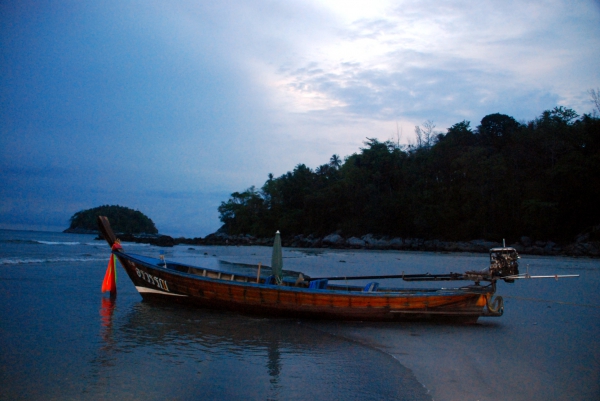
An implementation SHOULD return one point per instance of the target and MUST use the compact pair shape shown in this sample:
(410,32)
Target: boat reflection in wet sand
(306,297)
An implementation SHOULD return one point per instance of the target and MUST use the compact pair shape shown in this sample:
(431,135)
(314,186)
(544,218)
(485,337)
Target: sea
(61,338)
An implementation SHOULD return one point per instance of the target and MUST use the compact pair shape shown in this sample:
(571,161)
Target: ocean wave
(57,243)
(67,243)
(130,244)
(18,241)
(39,242)
(70,259)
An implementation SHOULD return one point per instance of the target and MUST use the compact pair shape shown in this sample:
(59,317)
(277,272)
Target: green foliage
(503,179)
(243,212)
(122,220)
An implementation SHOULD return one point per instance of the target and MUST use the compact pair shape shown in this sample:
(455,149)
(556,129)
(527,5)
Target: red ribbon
(110,278)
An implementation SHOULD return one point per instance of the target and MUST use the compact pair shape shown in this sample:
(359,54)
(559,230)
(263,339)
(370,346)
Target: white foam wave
(129,244)
(57,243)
(20,261)
(124,244)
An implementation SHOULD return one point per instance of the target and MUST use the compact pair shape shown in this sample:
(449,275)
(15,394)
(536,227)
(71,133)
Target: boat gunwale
(341,290)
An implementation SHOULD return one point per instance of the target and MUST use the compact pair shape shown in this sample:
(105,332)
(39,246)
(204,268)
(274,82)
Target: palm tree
(323,169)
(335,161)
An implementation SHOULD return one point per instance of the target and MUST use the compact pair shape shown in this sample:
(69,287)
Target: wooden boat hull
(208,288)
(240,294)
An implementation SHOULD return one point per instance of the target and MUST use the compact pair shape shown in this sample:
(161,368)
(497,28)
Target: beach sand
(58,329)
(546,346)
(539,350)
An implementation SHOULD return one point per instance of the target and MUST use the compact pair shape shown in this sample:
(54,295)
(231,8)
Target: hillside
(122,220)
(503,179)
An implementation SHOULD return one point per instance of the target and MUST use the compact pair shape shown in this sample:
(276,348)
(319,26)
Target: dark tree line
(501,179)
(122,220)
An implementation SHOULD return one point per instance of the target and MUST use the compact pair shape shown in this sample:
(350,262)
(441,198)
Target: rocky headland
(584,245)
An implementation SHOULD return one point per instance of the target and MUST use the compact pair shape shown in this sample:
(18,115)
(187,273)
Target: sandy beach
(78,344)
(545,347)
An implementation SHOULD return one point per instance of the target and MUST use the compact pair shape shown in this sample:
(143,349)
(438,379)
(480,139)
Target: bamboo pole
(406,277)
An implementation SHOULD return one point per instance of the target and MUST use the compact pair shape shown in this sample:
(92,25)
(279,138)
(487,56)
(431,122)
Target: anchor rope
(496,305)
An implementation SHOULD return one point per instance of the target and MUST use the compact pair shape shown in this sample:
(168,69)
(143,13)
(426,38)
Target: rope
(496,306)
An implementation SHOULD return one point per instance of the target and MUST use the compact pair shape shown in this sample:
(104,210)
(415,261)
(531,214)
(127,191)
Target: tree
(122,220)
(460,134)
(497,129)
(501,180)
(243,212)
(595,95)
(425,136)
(335,162)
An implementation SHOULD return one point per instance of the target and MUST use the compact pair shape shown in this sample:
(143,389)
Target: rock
(417,243)
(526,241)
(432,245)
(466,247)
(80,231)
(536,250)
(396,243)
(373,242)
(518,247)
(129,238)
(316,243)
(297,241)
(586,244)
(356,242)
(164,241)
(483,245)
(450,246)
(333,240)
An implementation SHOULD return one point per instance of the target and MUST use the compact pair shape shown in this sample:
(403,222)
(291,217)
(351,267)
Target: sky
(168,107)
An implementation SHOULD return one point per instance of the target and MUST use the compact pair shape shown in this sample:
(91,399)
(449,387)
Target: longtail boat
(306,297)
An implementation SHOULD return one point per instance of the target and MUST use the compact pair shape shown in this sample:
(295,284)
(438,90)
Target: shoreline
(582,247)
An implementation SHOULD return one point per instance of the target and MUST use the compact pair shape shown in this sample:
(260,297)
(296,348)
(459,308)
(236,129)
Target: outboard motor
(504,262)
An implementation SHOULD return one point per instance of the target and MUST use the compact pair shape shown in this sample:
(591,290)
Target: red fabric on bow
(110,278)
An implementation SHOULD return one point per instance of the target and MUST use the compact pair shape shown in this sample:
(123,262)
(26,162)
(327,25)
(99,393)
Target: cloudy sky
(169,106)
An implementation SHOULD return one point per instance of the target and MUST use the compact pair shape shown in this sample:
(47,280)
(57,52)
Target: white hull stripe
(145,289)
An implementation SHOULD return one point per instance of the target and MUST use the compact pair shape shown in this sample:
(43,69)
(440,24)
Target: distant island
(122,220)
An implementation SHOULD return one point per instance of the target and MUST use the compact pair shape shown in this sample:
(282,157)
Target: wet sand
(545,347)
(59,329)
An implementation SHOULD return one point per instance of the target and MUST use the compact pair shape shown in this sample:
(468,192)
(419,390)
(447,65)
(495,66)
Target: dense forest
(501,179)
(122,220)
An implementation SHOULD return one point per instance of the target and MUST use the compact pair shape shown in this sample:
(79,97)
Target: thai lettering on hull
(158,282)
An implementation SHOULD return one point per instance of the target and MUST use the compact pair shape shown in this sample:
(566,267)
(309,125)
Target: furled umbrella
(277,259)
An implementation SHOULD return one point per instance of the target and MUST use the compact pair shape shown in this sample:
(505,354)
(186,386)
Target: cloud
(169,107)
(449,61)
